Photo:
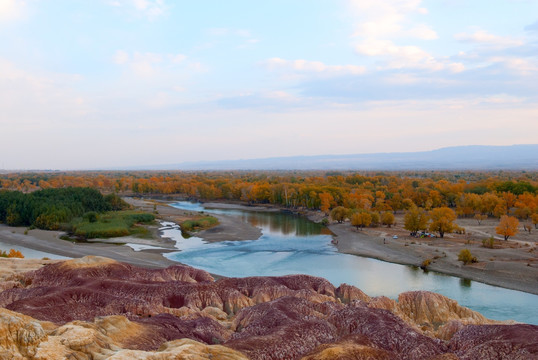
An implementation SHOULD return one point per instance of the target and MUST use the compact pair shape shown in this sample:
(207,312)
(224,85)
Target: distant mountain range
(477,157)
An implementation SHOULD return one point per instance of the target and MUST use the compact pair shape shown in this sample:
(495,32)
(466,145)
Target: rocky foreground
(97,308)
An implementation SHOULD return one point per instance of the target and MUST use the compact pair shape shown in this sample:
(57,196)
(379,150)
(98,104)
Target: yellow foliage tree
(361,219)
(415,219)
(442,220)
(507,226)
(339,214)
(387,218)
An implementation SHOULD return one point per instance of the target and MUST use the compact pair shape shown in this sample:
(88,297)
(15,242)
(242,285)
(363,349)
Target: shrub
(426,263)
(324,221)
(12,254)
(488,243)
(466,257)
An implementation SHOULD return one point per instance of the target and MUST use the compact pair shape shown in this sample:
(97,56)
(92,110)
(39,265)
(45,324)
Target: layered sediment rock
(97,308)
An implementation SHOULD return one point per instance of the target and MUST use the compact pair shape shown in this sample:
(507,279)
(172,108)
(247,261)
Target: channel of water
(294,245)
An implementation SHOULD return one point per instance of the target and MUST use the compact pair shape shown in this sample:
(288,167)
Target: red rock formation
(479,342)
(104,309)
(285,328)
(386,331)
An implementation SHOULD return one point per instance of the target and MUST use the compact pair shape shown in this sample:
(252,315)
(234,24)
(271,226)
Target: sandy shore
(50,242)
(229,227)
(513,266)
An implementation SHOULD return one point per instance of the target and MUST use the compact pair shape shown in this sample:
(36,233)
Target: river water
(294,245)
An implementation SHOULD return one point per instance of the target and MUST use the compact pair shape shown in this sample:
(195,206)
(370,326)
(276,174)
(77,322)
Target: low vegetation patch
(489,242)
(110,224)
(201,223)
(425,264)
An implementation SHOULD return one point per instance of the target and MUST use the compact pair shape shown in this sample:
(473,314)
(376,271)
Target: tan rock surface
(20,335)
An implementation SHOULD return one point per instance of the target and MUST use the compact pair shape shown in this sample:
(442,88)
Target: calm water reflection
(294,245)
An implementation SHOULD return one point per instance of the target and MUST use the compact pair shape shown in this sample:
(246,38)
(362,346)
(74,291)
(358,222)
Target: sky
(119,83)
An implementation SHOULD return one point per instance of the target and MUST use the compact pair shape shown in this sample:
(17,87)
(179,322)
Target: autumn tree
(415,219)
(375,219)
(480,217)
(508,226)
(339,214)
(442,220)
(534,218)
(387,218)
(326,202)
(361,219)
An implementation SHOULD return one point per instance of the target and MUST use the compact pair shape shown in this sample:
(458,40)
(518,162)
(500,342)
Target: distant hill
(478,157)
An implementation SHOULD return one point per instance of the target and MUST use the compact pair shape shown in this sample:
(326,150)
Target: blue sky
(114,83)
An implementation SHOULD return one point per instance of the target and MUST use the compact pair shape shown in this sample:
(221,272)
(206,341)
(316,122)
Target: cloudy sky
(114,83)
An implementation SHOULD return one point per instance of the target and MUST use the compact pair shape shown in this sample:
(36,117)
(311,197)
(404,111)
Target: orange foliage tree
(508,226)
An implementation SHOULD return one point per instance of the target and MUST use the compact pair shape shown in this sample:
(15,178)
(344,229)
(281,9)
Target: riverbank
(229,228)
(512,264)
(507,269)
(50,242)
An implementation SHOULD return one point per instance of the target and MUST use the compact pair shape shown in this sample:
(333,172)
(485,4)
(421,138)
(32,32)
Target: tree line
(48,209)
(469,194)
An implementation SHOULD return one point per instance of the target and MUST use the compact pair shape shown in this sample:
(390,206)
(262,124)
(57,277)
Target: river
(294,245)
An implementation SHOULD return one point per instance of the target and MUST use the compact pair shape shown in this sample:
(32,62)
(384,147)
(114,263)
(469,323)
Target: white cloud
(384,18)
(12,9)
(423,32)
(519,65)
(398,57)
(30,97)
(382,25)
(176,59)
(245,36)
(148,64)
(149,8)
(482,37)
(305,66)
(121,57)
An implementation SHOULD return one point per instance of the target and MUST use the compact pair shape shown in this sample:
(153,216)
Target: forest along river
(294,245)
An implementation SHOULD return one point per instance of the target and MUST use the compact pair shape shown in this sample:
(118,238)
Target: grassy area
(111,224)
(201,223)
